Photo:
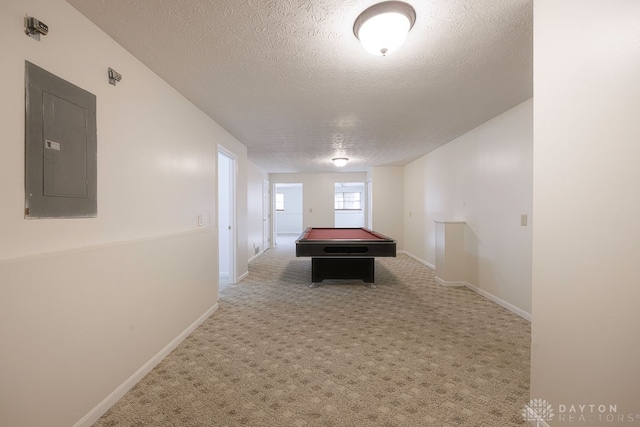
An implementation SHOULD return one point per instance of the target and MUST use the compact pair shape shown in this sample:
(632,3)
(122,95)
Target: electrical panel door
(60,148)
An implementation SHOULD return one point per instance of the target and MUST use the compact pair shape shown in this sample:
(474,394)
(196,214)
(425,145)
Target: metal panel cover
(60,148)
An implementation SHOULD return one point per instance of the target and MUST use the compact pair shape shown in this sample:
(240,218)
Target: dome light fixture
(340,161)
(383,27)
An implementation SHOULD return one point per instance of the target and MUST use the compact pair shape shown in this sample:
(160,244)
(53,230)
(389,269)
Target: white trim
(81,249)
(101,408)
(451,283)
(245,274)
(250,259)
(421,261)
(233,209)
(520,312)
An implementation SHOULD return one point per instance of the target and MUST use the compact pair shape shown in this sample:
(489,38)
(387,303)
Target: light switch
(523,220)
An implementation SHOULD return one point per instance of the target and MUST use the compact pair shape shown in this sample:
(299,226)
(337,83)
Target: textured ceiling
(290,81)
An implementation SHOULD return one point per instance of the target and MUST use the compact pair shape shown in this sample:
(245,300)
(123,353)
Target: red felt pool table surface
(341,234)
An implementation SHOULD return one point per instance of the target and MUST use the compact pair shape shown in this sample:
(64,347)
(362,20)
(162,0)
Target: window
(347,201)
(279,201)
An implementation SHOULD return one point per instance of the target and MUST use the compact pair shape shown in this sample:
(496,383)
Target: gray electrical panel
(60,148)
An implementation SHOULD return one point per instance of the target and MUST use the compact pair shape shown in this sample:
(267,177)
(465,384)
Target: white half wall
(483,178)
(586,238)
(76,324)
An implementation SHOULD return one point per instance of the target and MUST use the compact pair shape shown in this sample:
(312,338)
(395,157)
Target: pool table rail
(378,245)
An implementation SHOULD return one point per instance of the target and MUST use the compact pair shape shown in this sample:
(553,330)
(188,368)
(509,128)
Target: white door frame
(233,174)
(266,215)
(369,204)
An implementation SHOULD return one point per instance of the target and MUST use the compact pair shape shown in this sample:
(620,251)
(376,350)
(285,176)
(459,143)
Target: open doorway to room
(226,218)
(349,204)
(288,212)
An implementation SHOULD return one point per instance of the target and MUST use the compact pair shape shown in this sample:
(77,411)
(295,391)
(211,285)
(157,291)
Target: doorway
(226,218)
(288,212)
(369,205)
(266,215)
(349,204)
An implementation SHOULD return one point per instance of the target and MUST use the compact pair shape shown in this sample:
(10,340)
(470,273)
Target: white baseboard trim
(450,283)
(255,256)
(421,261)
(491,297)
(245,274)
(512,308)
(101,408)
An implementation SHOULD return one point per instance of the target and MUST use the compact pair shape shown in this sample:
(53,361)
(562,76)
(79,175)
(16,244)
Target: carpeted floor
(277,353)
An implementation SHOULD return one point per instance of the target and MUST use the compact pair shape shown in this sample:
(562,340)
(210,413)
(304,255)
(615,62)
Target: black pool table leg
(342,268)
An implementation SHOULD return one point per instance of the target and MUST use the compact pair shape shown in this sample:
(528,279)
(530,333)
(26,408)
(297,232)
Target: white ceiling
(290,81)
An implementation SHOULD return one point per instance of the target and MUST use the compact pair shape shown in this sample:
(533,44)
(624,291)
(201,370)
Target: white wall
(318,194)
(349,219)
(388,202)
(586,246)
(485,179)
(85,303)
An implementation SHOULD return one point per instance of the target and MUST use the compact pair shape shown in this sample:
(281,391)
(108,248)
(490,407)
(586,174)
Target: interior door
(226,218)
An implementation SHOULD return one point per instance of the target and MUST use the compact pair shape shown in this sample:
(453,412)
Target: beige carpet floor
(277,353)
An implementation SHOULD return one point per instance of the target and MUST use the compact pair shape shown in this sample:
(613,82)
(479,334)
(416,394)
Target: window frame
(356,200)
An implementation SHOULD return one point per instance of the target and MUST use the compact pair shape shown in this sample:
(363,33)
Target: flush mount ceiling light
(383,27)
(340,161)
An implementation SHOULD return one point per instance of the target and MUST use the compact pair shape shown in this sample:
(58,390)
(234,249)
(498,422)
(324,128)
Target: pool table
(343,253)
